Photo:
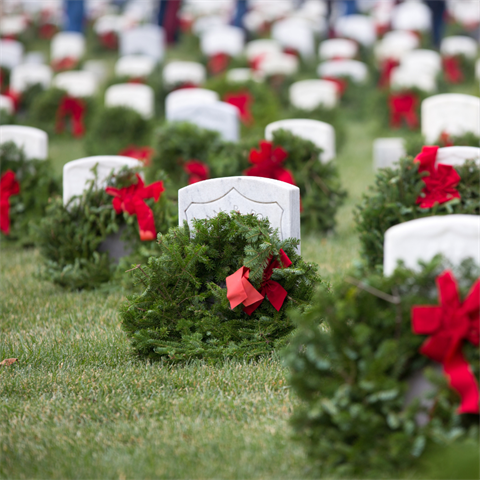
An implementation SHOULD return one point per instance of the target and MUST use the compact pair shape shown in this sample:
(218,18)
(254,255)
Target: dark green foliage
(37,185)
(183,311)
(414,144)
(392,200)
(29,95)
(5,79)
(69,237)
(115,128)
(350,361)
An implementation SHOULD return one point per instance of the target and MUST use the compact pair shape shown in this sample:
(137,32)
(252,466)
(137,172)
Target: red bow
(340,83)
(386,69)
(197,170)
(8,187)
(256,61)
(131,200)
(268,162)
(15,97)
(218,63)
(440,184)
(136,80)
(449,324)
(240,290)
(74,107)
(402,106)
(290,51)
(47,31)
(109,40)
(66,63)
(242,101)
(144,154)
(452,70)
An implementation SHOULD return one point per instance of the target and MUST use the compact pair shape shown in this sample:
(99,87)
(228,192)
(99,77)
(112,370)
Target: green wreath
(37,185)
(69,237)
(392,200)
(183,311)
(351,361)
(414,143)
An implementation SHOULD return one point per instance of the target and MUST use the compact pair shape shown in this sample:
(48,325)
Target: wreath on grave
(56,112)
(356,354)
(114,129)
(414,143)
(75,239)
(414,189)
(204,288)
(26,187)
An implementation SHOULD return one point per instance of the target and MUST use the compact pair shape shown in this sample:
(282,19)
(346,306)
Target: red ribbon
(218,63)
(8,186)
(131,200)
(451,69)
(109,40)
(47,31)
(144,154)
(242,101)
(449,325)
(197,170)
(340,83)
(15,97)
(446,139)
(291,51)
(386,69)
(402,107)
(440,184)
(240,290)
(74,107)
(268,163)
(256,61)
(136,80)
(66,63)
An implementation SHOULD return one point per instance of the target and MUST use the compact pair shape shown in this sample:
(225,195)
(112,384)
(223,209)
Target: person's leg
(438,11)
(75,14)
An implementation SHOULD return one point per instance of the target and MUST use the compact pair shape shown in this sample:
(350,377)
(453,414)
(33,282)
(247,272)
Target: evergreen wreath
(69,236)
(115,128)
(392,200)
(37,184)
(351,359)
(183,311)
(414,143)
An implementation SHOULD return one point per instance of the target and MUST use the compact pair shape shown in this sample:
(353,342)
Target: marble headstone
(188,97)
(134,66)
(310,94)
(178,72)
(11,53)
(223,39)
(295,33)
(27,74)
(6,105)
(455,236)
(457,155)
(337,48)
(275,200)
(77,83)
(387,151)
(138,97)
(360,28)
(459,45)
(67,44)
(413,16)
(352,69)
(144,40)
(33,140)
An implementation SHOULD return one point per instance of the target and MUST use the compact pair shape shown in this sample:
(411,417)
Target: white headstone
(395,45)
(267,198)
(77,173)
(337,48)
(410,15)
(134,66)
(241,75)
(310,94)
(320,133)
(457,155)
(360,28)
(459,45)
(465,12)
(144,40)
(97,67)
(34,58)
(33,140)
(76,83)
(452,113)
(13,25)
(11,53)
(262,47)
(6,105)
(178,72)
(225,39)
(67,44)
(405,78)
(218,116)
(209,22)
(188,97)
(138,97)
(295,33)
(109,23)
(423,61)
(455,236)
(279,64)
(387,151)
(352,69)
(26,75)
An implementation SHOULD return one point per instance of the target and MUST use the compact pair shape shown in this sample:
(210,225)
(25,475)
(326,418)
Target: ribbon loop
(402,107)
(8,186)
(75,108)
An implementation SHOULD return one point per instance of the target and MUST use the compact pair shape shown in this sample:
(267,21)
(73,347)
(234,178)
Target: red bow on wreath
(47,31)
(402,106)
(386,69)
(240,290)
(144,154)
(197,170)
(440,184)
(218,63)
(452,70)
(256,61)
(449,325)
(109,40)
(291,51)
(340,83)
(242,101)
(66,63)
(268,163)
(15,97)
(8,186)
(74,107)
(131,200)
